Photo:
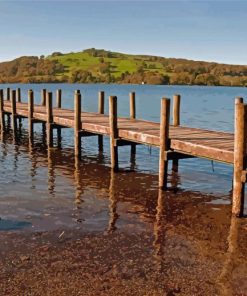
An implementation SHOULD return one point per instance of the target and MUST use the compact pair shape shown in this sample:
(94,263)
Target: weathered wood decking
(177,141)
(192,141)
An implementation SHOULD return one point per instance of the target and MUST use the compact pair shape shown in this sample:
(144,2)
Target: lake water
(26,195)
(176,238)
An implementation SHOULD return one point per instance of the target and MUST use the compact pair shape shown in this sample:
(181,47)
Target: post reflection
(51,173)
(160,229)
(225,279)
(78,185)
(113,215)
(4,147)
(33,160)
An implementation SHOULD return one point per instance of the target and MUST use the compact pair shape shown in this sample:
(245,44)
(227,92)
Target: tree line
(149,69)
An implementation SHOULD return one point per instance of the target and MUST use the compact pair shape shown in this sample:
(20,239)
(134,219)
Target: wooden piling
(13,110)
(59,105)
(176,110)
(49,120)
(43,103)
(77,122)
(18,95)
(59,98)
(239,156)
(113,132)
(164,142)
(101,102)
(176,122)
(101,110)
(8,94)
(43,97)
(132,97)
(2,123)
(30,114)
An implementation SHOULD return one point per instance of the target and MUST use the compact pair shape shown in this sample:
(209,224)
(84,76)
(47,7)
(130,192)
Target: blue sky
(199,30)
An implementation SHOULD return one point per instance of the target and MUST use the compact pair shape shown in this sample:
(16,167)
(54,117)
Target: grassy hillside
(98,65)
(89,60)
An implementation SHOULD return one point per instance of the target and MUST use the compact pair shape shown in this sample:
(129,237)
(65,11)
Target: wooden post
(43,103)
(30,115)
(13,108)
(176,110)
(101,110)
(176,122)
(1,110)
(239,157)
(164,142)
(49,120)
(59,98)
(19,101)
(113,132)
(59,105)
(43,97)
(8,94)
(132,96)
(18,95)
(77,122)
(101,102)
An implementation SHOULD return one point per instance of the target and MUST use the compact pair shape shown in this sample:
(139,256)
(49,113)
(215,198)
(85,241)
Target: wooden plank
(193,141)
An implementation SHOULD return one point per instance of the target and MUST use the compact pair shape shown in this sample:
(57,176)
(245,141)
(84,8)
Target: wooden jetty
(174,141)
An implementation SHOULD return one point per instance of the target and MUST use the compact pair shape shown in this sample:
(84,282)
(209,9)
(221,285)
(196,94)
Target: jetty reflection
(188,229)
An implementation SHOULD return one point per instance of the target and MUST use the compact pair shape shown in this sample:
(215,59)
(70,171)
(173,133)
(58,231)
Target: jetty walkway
(174,141)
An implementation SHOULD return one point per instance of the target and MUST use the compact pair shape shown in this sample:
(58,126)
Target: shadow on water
(13,225)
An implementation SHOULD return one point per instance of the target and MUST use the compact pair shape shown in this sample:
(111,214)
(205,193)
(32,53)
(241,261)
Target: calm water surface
(36,187)
(189,228)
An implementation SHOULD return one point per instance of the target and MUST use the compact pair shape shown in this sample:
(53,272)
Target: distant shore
(101,66)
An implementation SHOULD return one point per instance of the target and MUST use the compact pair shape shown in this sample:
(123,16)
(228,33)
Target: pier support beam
(176,122)
(43,103)
(19,101)
(49,120)
(2,121)
(132,97)
(59,105)
(8,99)
(164,142)
(18,95)
(113,132)
(13,111)
(77,121)
(239,157)
(101,110)
(8,94)
(30,115)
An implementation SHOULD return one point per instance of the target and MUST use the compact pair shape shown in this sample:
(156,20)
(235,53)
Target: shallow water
(188,228)
(41,188)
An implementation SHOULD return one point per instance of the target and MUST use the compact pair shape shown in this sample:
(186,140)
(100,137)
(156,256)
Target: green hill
(98,65)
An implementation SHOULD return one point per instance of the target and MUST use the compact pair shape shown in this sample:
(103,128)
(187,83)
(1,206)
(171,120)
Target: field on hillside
(118,63)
